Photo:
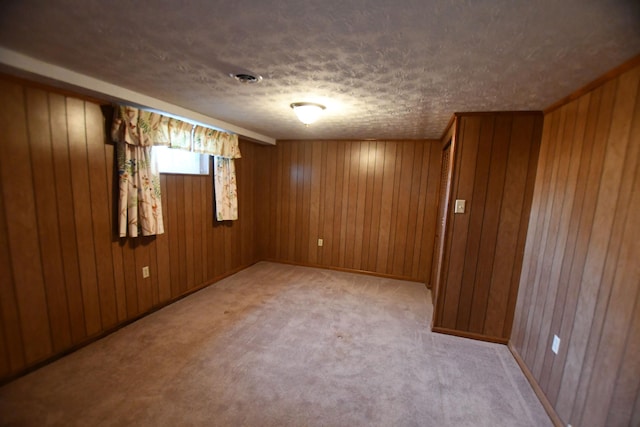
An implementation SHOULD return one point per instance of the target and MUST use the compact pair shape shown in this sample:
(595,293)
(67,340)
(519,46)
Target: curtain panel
(135,131)
(226,192)
(140,201)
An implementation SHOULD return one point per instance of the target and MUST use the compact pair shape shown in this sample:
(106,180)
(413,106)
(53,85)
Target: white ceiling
(384,69)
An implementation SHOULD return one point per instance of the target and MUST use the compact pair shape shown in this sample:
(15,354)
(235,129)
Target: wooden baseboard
(100,335)
(346,270)
(470,335)
(536,388)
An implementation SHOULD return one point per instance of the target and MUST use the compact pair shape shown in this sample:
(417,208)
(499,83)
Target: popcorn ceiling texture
(384,69)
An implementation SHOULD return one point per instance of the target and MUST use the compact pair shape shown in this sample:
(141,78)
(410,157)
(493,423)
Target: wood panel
(66,278)
(582,278)
(20,211)
(372,202)
(65,215)
(48,230)
(494,163)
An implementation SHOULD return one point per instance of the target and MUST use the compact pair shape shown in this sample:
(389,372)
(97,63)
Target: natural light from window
(176,161)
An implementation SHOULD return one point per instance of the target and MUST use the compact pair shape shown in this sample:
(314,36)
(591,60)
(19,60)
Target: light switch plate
(460,206)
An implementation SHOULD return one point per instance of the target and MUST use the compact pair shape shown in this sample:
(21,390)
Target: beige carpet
(277,345)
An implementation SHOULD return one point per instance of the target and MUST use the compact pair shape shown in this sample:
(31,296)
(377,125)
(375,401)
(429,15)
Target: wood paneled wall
(372,202)
(64,276)
(494,166)
(581,272)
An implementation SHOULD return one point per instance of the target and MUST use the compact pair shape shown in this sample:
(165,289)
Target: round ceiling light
(307,112)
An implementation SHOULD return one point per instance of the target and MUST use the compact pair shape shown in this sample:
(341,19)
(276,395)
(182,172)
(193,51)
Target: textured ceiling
(384,69)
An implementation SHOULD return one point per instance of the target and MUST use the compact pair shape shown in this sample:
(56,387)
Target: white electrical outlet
(555,346)
(460,206)
(145,271)
(320,242)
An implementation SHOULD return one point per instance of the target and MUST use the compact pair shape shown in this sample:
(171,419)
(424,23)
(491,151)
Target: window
(174,160)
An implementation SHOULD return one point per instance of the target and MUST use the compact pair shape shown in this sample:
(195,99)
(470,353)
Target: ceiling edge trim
(599,81)
(116,93)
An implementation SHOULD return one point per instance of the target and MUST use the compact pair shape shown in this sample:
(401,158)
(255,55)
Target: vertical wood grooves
(66,278)
(529,176)
(66,332)
(35,124)
(581,259)
(490,266)
(13,356)
(482,250)
(372,208)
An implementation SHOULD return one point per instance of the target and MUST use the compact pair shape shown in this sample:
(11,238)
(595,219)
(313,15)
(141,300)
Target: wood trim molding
(470,335)
(536,387)
(609,75)
(446,134)
(427,140)
(497,113)
(447,130)
(346,270)
(450,138)
(116,328)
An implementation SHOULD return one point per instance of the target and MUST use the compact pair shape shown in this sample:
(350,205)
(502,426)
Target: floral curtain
(139,127)
(135,131)
(179,134)
(140,204)
(224,170)
(216,143)
(224,178)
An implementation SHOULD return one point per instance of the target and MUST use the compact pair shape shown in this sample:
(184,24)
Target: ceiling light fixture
(307,112)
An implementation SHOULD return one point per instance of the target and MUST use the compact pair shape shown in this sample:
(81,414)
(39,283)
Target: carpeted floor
(279,345)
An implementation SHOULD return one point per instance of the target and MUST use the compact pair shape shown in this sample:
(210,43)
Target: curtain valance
(208,141)
(138,127)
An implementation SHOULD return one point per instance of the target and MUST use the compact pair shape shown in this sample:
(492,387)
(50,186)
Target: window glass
(176,161)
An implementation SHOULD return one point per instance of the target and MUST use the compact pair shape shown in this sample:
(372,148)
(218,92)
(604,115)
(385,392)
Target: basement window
(177,161)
